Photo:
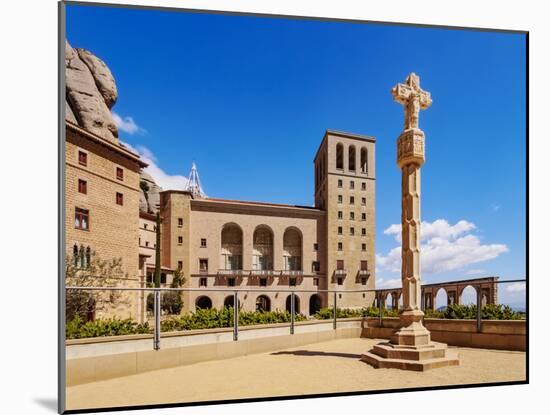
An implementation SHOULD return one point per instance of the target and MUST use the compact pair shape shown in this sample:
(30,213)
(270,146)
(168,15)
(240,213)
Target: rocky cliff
(149,198)
(90,93)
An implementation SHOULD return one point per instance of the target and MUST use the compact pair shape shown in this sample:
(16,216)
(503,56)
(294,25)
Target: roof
(147,215)
(120,149)
(345,135)
(152,266)
(244,202)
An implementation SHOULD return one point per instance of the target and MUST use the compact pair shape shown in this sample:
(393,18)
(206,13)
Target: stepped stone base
(419,358)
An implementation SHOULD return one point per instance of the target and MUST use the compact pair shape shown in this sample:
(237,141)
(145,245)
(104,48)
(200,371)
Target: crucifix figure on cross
(413,98)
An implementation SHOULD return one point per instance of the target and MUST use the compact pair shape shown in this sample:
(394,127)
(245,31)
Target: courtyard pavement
(327,367)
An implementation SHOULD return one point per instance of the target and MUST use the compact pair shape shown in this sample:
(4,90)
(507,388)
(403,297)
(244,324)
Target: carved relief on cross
(413,98)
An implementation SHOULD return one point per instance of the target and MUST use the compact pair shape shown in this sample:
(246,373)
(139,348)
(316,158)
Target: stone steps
(450,358)
(390,351)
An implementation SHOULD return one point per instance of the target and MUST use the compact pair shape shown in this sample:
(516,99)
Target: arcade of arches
(442,294)
(263,303)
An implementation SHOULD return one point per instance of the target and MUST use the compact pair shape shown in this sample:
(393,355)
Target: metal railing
(380,301)
(157,302)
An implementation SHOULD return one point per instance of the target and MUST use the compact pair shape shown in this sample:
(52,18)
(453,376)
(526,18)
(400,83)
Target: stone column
(410,157)
(410,347)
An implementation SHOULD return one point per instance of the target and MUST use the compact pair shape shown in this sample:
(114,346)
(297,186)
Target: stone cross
(410,158)
(410,347)
(413,99)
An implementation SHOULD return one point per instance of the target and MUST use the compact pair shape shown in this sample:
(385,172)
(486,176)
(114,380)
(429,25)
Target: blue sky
(248,99)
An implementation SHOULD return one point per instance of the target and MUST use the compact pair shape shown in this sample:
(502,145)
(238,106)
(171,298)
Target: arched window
(351,158)
(388,301)
(88,257)
(314,304)
(75,255)
(203,302)
(263,303)
(232,247)
(292,250)
(364,161)
(229,301)
(296,303)
(340,156)
(81,257)
(262,248)
(441,299)
(468,296)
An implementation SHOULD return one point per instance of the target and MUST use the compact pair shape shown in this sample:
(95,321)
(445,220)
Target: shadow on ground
(314,353)
(48,403)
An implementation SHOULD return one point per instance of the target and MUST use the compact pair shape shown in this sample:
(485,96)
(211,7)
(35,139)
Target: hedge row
(200,319)
(464,312)
(327,313)
(213,318)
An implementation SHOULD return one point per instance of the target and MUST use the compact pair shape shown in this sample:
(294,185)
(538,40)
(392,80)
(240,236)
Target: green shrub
(213,318)
(78,329)
(433,314)
(326,313)
(463,312)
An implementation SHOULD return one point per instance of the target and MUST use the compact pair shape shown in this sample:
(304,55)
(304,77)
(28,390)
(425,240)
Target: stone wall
(494,334)
(113,229)
(91,360)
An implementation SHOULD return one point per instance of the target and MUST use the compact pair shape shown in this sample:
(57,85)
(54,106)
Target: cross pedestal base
(410,348)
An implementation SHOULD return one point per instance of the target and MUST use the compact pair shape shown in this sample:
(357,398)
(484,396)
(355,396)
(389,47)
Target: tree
(172,302)
(93,272)
(157,253)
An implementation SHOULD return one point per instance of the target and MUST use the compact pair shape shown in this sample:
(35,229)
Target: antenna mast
(194,183)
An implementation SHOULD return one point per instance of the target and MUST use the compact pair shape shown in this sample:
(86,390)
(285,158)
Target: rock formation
(149,197)
(90,93)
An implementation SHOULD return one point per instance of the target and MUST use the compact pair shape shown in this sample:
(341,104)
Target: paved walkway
(327,367)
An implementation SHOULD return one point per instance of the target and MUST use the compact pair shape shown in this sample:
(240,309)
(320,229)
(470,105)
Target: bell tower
(345,187)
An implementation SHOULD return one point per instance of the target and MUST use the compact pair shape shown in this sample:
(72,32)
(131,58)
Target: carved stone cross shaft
(410,158)
(413,99)
(410,346)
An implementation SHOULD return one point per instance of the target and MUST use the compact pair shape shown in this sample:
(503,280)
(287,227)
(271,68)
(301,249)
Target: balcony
(292,273)
(230,272)
(261,272)
(363,273)
(340,272)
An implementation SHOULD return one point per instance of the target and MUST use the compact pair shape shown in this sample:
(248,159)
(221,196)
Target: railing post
(292,311)
(380,312)
(478,292)
(235,316)
(334,311)
(156,310)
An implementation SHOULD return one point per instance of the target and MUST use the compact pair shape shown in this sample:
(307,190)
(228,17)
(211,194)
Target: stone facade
(264,247)
(345,169)
(93,178)
(261,247)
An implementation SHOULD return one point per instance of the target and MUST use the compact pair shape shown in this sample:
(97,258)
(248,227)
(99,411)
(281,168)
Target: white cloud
(389,283)
(444,247)
(494,207)
(476,272)
(515,287)
(439,228)
(128,125)
(163,179)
